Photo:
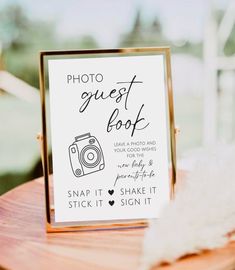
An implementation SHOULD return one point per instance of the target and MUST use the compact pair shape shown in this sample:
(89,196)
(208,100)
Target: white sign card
(109,134)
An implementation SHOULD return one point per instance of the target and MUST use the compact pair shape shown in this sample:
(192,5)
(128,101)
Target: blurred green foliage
(147,34)
(22,39)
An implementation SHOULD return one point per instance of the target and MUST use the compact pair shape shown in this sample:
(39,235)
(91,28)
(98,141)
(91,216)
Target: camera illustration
(86,155)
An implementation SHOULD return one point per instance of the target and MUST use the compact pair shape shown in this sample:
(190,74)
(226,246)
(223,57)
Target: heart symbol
(111,192)
(111,203)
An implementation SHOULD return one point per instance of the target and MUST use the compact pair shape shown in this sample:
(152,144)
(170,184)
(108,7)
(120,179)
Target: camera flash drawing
(86,155)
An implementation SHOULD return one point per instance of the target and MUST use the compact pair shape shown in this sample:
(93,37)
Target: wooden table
(25,245)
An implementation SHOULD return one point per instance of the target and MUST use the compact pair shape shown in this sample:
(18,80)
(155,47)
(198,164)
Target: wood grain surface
(24,243)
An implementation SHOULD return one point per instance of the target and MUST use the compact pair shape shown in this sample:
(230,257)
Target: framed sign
(108,122)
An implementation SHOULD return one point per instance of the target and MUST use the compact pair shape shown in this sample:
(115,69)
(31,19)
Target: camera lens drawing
(86,155)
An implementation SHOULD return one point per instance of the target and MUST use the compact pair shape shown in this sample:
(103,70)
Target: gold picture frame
(51,225)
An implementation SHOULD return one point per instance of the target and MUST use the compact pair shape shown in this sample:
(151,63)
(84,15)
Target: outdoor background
(201,35)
